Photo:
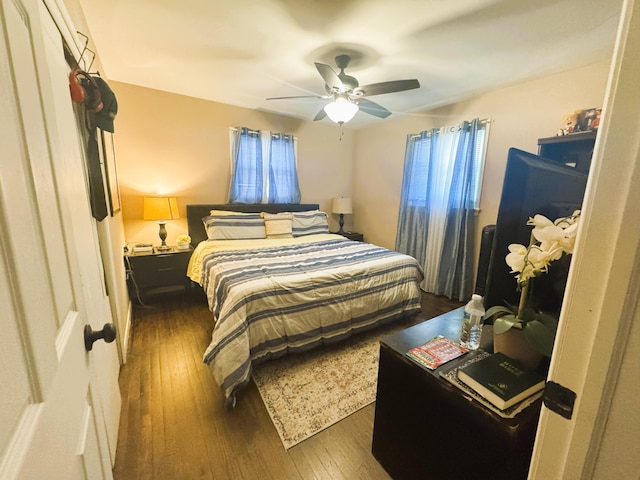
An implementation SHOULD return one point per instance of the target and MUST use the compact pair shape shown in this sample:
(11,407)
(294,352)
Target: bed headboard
(195,214)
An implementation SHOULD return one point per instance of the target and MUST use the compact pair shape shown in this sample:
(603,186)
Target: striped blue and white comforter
(290,298)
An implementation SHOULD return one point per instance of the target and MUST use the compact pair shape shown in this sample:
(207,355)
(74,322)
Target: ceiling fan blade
(372,108)
(299,96)
(321,114)
(386,87)
(329,76)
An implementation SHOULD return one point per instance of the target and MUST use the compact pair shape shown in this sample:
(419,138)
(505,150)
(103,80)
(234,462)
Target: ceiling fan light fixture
(341,110)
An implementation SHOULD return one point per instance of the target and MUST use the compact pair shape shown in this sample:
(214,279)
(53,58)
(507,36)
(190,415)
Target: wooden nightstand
(156,271)
(358,237)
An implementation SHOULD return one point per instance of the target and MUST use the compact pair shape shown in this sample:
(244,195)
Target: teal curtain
(438,206)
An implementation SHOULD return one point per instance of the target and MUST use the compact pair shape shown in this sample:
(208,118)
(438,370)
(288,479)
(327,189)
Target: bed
(290,292)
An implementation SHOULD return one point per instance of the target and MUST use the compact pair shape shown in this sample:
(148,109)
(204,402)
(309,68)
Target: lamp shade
(341,110)
(160,208)
(341,205)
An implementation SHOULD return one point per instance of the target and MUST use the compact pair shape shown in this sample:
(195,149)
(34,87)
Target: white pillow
(278,225)
(228,212)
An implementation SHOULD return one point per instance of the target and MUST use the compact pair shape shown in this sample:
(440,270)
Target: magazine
(435,352)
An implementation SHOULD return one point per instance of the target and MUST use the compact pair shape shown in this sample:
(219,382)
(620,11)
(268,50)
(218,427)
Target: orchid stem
(523,298)
(525,288)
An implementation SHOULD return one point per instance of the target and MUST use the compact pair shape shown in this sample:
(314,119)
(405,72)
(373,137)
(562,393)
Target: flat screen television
(532,185)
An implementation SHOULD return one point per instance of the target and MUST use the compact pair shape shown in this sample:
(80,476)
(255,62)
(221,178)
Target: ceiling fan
(348,95)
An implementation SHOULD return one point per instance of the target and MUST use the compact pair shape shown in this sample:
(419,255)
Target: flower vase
(514,345)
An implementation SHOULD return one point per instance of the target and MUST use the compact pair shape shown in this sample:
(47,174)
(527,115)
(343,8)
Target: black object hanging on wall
(95,111)
(96,184)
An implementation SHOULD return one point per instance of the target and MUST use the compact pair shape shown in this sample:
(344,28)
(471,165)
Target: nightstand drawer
(159,270)
(155,270)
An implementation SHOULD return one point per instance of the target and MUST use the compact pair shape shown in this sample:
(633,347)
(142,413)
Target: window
(440,195)
(430,161)
(263,167)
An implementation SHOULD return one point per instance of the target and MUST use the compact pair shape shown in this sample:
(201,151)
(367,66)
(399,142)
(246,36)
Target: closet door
(52,422)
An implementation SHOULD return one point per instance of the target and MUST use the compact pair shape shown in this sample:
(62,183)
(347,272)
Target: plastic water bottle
(472,323)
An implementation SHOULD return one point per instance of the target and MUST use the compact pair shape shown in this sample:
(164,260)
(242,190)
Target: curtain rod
(257,132)
(484,121)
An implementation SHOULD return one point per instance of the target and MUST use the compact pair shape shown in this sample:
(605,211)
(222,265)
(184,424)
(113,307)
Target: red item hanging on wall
(89,93)
(77,92)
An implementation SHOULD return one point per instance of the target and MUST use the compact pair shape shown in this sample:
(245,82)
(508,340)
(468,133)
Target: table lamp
(161,209)
(341,206)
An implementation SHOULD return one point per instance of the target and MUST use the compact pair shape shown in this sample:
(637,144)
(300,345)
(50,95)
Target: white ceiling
(240,52)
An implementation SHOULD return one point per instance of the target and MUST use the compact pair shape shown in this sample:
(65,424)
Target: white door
(54,421)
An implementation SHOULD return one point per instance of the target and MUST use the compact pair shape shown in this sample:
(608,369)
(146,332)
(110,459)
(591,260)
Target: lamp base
(341,231)
(163,237)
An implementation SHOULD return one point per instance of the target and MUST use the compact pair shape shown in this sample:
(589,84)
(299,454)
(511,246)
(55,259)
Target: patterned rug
(304,394)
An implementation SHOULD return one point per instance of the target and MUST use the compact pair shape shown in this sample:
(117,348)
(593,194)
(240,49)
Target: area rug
(304,394)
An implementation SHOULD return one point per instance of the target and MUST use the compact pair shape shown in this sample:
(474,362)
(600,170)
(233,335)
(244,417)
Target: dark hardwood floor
(174,425)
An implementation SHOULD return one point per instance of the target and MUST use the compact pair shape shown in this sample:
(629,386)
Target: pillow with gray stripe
(310,222)
(224,225)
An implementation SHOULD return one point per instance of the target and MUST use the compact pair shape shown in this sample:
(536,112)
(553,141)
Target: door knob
(108,334)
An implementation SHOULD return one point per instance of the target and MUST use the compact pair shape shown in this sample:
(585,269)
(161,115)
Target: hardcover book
(436,351)
(501,380)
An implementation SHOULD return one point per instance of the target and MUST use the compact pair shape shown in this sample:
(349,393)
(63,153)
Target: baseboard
(126,339)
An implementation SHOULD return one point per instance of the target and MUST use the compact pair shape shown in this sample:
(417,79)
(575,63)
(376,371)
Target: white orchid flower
(569,240)
(549,241)
(516,258)
(539,221)
(562,234)
(540,257)
(527,262)
(564,222)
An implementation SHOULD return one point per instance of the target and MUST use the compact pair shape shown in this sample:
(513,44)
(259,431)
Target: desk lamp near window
(161,209)
(341,206)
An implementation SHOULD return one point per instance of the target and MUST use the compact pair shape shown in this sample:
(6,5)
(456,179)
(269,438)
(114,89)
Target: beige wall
(178,145)
(172,144)
(520,115)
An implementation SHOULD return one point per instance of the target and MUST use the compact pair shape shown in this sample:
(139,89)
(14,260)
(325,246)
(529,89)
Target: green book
(501,380)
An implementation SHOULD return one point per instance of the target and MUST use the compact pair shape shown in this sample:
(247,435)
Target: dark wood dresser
(429,429)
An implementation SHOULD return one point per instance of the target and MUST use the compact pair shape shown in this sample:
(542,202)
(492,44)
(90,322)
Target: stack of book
(142,248)
(501,380)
